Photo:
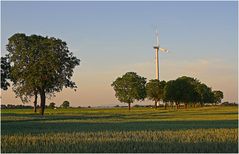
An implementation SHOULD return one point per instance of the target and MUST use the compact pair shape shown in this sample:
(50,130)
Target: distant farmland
(207,129)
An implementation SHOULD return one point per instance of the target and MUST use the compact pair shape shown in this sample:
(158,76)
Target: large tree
(5,73)
(154,90)
(205,94)
(129,87)
(40,65)
(187,88)
(169,92)
(218,96)
(181,90)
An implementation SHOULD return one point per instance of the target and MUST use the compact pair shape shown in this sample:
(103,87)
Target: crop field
(206,129)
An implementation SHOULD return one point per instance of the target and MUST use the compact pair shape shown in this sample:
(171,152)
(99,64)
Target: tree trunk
(129,105)
(194,105)
(165,106)
(155,104)
(186,105)
(43,101)
(35,102)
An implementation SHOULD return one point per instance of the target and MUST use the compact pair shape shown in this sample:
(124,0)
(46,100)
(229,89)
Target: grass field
(207,129)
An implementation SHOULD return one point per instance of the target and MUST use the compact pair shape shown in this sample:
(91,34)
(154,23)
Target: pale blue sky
(112,38)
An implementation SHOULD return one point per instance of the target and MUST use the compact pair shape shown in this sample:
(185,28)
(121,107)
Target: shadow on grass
(37,117)
(10,117)
(38,127)
(16,117)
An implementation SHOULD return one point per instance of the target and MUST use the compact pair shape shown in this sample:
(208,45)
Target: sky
(112,38)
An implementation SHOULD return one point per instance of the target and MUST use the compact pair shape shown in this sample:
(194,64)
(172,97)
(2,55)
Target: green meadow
(205,129)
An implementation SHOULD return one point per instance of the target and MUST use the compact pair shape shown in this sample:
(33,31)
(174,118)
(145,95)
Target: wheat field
(206,129)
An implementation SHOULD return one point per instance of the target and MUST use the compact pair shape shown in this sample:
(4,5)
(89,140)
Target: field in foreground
(207,129)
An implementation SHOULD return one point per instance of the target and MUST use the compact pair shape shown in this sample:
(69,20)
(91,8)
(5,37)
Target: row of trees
(12,106)
(37,65)
(131,87)
(52,105)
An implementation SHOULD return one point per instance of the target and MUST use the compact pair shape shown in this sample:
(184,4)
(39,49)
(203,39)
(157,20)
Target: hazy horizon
(112,38)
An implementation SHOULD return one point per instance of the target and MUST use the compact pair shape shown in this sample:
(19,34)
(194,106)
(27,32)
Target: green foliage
(129,87)
(189,90)
(186,89)
(169,91)
(65,104)
(218,96)
(207,129)
(19,57)
(205,94)
(154,90)
(5,73)
(40,64)
(52,105)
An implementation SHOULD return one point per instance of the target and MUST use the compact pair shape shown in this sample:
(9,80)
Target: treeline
(52,105)
(184,90)
(12,106)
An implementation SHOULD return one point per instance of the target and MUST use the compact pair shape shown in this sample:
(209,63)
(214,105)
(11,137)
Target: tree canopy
(65,104)
(205,94)
(40,64)
(188,90)
(52,105)
(130,87)
(218,96)
(154,90)
(5,73)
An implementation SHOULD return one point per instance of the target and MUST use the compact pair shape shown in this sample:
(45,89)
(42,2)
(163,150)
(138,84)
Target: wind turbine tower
(157,48)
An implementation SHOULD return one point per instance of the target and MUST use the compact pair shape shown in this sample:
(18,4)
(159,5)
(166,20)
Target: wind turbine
(157,48)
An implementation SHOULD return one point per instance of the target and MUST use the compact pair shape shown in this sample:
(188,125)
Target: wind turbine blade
(163,49)
(157,37)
